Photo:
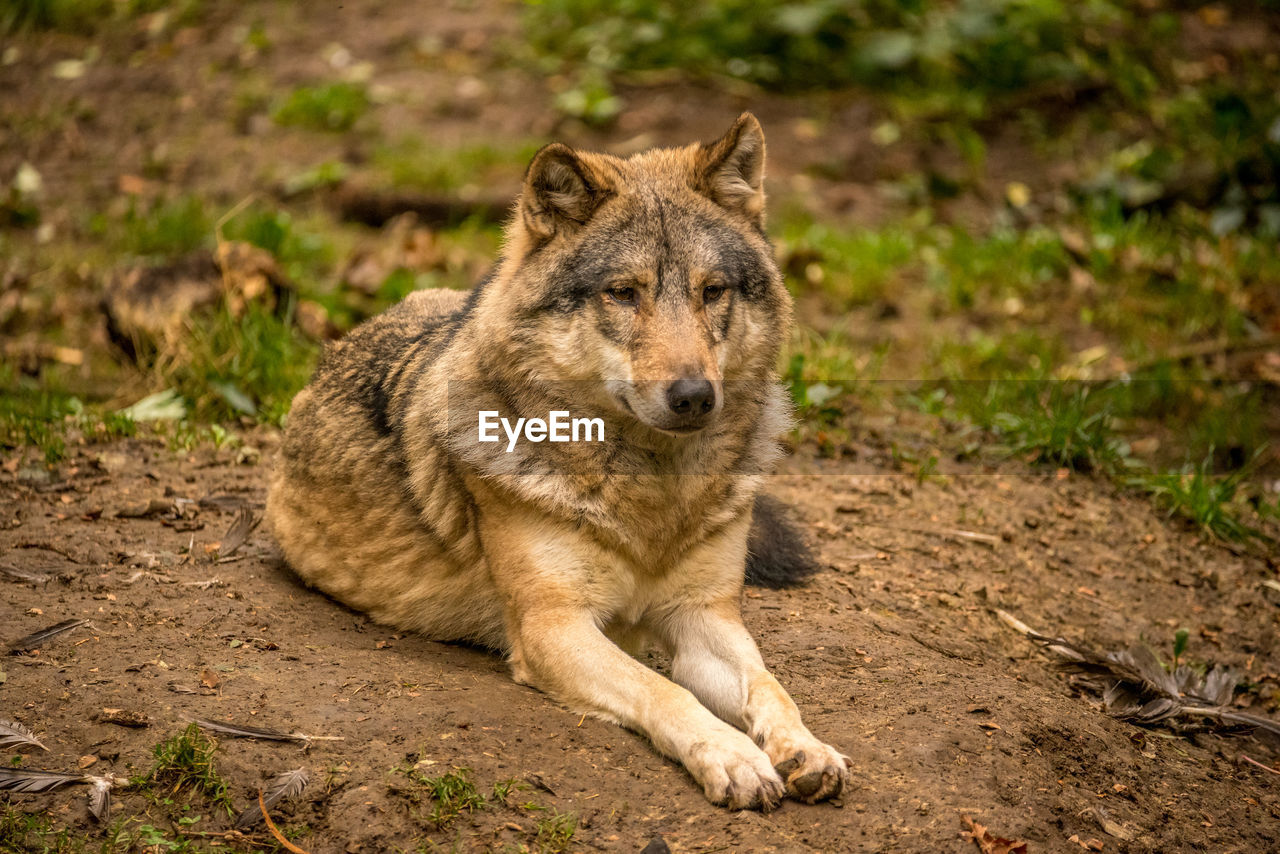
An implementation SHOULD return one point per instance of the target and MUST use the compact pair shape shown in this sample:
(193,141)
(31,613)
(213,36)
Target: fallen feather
(282,787)
(37,639)
(236,731)
(13,733)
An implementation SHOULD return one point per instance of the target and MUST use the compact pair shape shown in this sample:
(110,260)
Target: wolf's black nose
(691,397)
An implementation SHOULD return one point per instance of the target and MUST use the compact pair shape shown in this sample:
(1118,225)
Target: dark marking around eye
(612,327)
(582,274)
(738,262)
(726,314)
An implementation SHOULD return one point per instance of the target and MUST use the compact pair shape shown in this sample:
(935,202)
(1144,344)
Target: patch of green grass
(156,840)
(416,163)
(35,419)
(24,833)
(1207,500)
(248,365)
(442,799)
(978,354)
(184,765)
(450,795)
(303,250)
(555,832)
(164,228)
(34,833)
(33,414)
(326,107)
(330,173)
(849,267)
(1075,425)
(993,322)
(1004,263)
(1152,282)
(503,789)
(1062,424)
(186,435)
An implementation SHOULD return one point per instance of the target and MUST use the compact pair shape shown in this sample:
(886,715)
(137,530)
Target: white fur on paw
(735,773)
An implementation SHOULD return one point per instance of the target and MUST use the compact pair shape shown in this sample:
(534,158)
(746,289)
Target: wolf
(639,291)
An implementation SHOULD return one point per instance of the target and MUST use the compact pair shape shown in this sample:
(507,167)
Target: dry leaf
(988,842)
(133,185)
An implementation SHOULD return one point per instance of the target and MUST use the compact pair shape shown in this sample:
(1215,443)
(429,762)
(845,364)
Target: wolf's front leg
(557,646)
(562,652)
(715,658)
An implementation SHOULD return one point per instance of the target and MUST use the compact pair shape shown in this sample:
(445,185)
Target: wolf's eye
(622,296)
(712,293)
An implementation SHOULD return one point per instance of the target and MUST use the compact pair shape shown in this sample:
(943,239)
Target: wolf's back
(374,365)
(343,505)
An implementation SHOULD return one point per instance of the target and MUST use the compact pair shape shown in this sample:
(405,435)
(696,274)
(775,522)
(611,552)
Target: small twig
(1028,632)
(1259,764)
(233,213)
(945,650)
(49,547)
(271,826)
(954,533)
(1204,349)
(140,574)
(215,834)
(974,536)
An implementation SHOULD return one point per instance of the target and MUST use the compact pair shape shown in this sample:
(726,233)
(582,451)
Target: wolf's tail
(777,554)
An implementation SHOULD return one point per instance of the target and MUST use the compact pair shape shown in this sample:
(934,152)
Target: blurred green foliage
(331,106)
(35,414)
(978,46)
(1203,132)
(85,16)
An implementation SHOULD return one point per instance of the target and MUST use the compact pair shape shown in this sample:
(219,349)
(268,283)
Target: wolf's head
(649,279)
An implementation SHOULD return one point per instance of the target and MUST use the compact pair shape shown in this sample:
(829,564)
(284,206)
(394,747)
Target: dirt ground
(891,653)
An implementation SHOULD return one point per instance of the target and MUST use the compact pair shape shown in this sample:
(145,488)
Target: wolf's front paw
(735,773)
(813,771)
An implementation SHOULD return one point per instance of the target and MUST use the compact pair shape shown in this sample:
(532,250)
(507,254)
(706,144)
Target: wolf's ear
(731,169)
(561,192)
